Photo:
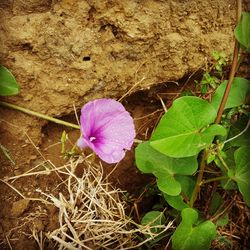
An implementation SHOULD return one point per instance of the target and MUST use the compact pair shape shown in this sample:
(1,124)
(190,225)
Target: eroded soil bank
(65,53)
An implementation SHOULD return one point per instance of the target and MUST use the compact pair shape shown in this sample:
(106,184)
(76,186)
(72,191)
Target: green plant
(191,234)
(156,221)
(65,151)
(242,31)
(8,84)
(220,61)
(191,137)
(211,78)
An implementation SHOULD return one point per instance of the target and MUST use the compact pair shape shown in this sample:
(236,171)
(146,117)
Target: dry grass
(91,213)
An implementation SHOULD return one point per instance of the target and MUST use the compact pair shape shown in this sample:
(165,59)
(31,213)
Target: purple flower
(107,128)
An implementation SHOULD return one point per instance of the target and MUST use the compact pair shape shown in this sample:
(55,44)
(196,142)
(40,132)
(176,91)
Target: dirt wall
(68,52)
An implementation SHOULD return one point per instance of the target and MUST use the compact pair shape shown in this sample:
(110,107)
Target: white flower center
(92,138)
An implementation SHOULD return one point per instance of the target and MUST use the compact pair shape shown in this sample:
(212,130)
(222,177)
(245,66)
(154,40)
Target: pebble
(28,97)
(19,207)
(33,157)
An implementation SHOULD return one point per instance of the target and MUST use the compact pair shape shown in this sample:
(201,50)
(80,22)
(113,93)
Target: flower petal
(110,152)
(120,130)
(107,128)
(98,112)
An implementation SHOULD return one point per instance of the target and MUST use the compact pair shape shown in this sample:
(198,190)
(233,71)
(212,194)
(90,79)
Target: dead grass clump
(92,215)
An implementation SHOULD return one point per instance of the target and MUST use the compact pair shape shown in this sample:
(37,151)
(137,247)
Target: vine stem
(215,179)
(241,133)
(221,108)
(233,68)
(36,114)
(199,178)
(223,162)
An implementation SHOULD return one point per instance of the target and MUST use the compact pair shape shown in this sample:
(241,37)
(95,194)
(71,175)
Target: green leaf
(190,237)
(183,131)
(165,168)
(221,60)
(187,186)
(224,242)
(242,172)
(154,219)
(239,171)
(8,84)
(228,157)
(223,221)
(242,31)
(237,96)
(216,202)
(175,201)
(7,154)
(210,157)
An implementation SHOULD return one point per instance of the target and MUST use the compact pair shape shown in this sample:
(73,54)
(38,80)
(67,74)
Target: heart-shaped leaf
(239,171)
(242,31)
(242,172)
(237,96)
(187,186)
(165,168)
(8,84)
(190,237)
(184,130)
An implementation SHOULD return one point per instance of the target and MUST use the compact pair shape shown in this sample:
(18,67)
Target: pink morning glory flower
(107,128)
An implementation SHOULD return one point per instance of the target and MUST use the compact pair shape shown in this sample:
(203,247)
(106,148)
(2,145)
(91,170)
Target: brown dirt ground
(15,210)
(18,216)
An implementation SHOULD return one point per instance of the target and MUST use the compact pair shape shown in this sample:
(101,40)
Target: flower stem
(39,115)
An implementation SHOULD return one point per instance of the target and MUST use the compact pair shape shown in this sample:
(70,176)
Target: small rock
(33,157)
(38,224)
(28,97)
(17,172)
(19,207)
